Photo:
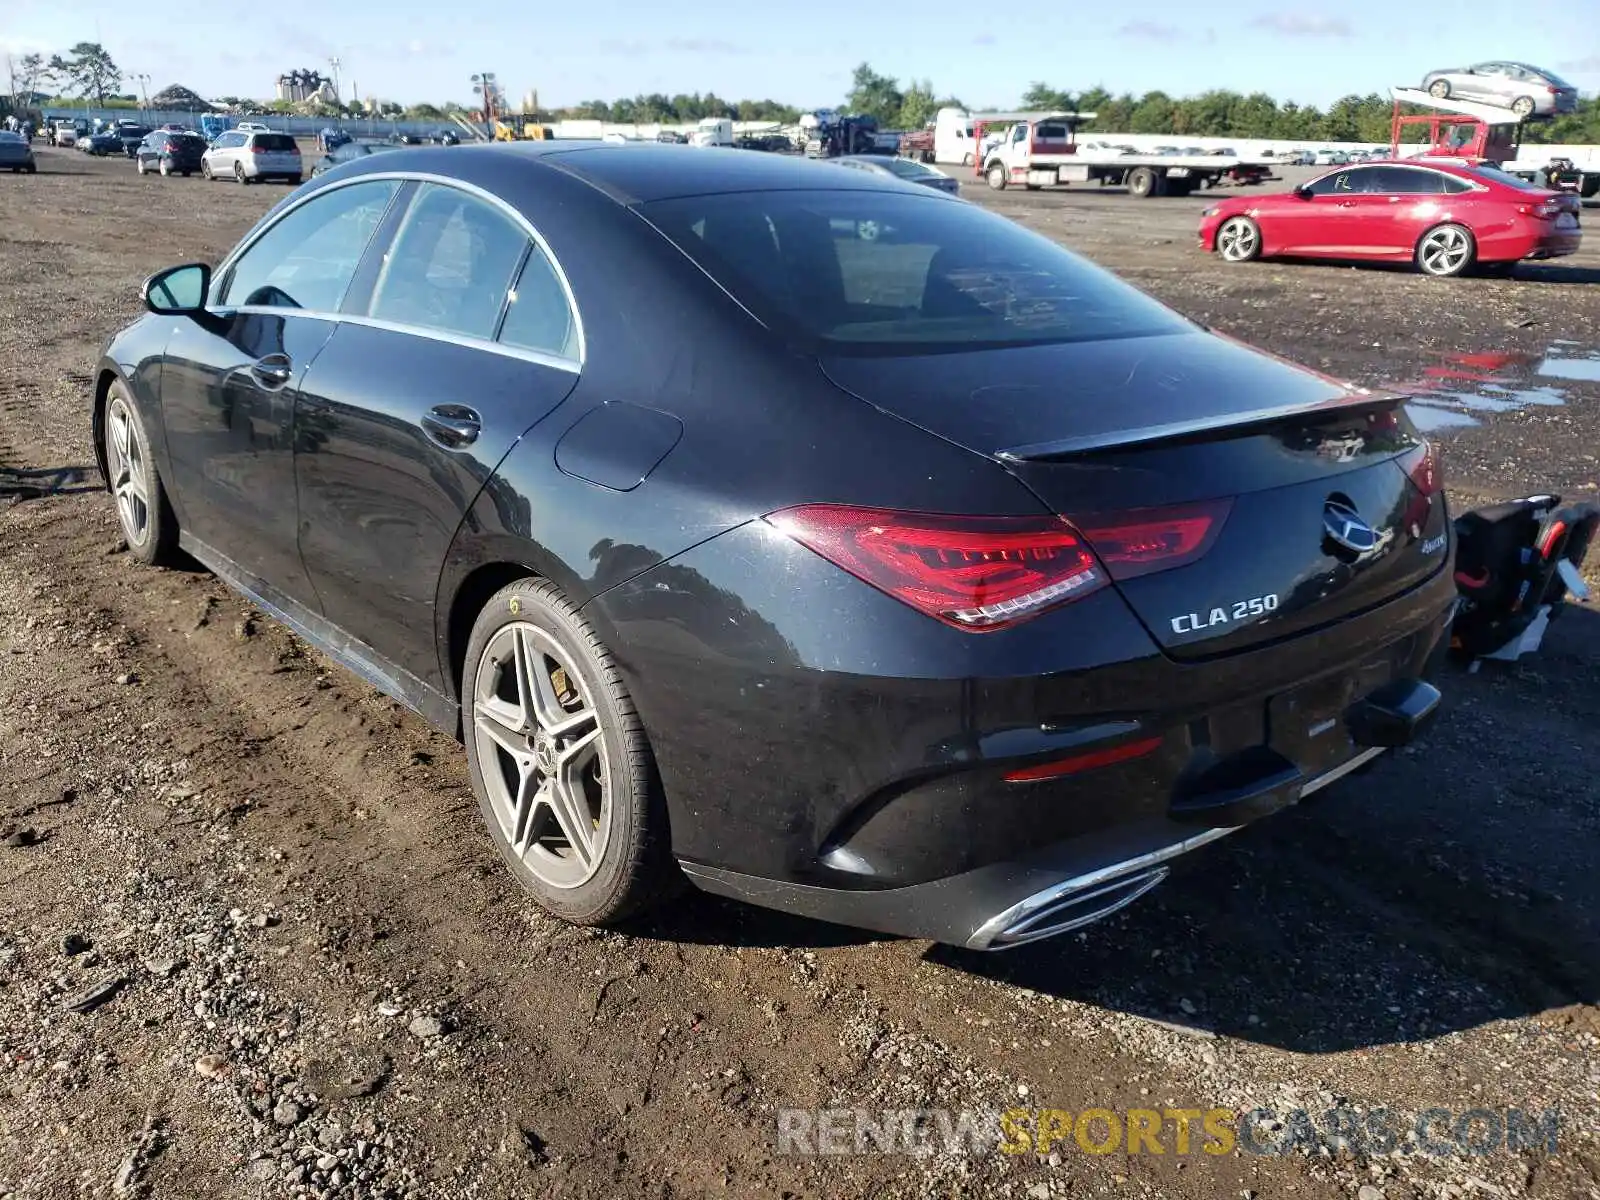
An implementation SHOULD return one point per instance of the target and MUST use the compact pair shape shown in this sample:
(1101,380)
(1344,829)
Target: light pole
(144,91)
(334,64)
(484,85)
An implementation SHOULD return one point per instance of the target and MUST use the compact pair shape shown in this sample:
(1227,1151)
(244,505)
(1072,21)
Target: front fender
(133,357)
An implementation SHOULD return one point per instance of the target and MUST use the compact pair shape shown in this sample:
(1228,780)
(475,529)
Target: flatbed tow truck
(1474,134)
(1042,151)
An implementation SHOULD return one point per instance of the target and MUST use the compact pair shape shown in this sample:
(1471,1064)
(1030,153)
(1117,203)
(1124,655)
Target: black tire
(239,175)
(165,168)
(1439,89)
(157,545)
(1143,182)
(635,870)
(206,173)
(32,168)
(1523,106)
(997,176)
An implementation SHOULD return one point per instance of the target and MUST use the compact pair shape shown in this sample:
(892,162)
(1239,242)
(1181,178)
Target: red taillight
(1548,211)
(976,573)
(1422,467)
(1137,543)
(1087,761)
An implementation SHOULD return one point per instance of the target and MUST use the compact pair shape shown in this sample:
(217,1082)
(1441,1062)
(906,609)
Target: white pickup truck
(1043,153)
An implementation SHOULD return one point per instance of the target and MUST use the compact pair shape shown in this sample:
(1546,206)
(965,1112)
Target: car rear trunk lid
(1307,484)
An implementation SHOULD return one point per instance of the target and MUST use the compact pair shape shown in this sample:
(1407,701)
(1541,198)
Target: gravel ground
(253,942)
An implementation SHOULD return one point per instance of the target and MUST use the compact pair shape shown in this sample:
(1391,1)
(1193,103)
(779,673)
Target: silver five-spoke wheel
(1446,250)
(1239,239)
(542,752)
(130,475)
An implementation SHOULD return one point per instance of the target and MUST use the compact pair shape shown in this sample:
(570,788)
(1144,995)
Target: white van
(953,143)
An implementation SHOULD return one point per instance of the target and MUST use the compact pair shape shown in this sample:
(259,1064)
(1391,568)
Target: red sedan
(1442,216)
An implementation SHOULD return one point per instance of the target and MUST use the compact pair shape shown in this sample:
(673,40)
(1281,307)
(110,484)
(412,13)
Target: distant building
(298,87)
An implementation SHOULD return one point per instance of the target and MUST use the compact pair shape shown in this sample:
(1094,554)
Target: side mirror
(178,291)
(1303,190)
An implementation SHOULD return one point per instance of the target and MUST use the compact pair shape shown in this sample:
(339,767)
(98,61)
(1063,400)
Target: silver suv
(253,155)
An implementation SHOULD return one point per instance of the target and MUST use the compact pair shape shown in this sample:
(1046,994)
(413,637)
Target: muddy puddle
(1463,390)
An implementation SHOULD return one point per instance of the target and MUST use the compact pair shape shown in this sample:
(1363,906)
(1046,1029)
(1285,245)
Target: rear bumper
(1010,904)
(1555,246)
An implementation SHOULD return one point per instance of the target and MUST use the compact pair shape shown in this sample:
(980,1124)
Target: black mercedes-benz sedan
(933,581)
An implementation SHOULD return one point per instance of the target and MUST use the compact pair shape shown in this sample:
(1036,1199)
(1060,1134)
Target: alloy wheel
(1238,240)
(130,481)
(1445,251)
(542,754)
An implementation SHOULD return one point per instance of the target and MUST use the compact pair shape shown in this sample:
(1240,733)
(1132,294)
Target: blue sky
(803,53)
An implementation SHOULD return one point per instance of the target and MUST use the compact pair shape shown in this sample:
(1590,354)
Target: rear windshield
(907,169)
(274,143)
(1497,176)
(186,139)
(864,272)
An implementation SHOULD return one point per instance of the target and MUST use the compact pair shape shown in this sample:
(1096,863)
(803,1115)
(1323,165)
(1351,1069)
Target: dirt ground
(253,941)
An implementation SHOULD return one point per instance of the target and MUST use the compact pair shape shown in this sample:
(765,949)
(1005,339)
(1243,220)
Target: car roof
(640,172)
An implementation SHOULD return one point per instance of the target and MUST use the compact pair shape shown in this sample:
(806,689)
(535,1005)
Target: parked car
(1445,218)
(671,137)
(132,136)
(348,152)
(840,620)
(1527,91)
(253,127)
(170,153)
(901,168)
(251,156)
(61,133)
(16,155)
(105,142)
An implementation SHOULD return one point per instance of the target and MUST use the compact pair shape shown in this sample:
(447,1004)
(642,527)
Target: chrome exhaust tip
(1063,908)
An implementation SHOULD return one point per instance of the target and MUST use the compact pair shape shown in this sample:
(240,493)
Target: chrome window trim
(537,357)
(471,189)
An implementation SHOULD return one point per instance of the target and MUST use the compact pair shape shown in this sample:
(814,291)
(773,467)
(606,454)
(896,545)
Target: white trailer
(1042,153)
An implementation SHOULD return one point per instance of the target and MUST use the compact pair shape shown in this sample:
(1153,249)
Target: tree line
(87,72)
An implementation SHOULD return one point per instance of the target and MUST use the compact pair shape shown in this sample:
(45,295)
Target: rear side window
(450,267)
(1404,181)
(864,272)
(539,316)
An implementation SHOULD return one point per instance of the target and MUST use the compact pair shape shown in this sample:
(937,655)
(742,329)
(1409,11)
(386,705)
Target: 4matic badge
(1239,610)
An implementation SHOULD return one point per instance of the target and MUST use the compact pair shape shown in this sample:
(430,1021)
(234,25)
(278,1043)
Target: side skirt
(350,652)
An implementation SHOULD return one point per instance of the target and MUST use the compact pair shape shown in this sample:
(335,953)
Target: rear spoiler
(1200,428)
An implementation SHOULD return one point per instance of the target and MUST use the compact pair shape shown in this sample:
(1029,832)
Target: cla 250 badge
(1240,610)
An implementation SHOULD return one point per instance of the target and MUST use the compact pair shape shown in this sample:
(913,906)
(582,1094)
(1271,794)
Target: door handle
(452,425)
(272,370)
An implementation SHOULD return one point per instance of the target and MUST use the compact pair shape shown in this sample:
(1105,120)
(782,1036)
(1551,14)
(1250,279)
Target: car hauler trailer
(1475,133)
(1042,151)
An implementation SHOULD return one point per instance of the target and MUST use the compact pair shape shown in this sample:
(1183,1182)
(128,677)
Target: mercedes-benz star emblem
(1344,527)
